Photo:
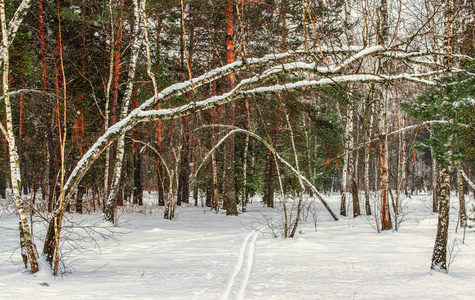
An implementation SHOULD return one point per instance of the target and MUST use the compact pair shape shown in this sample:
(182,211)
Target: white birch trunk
(244,166)
(347,159)
(13,152)
(367,154)
(439,254)
(109,213)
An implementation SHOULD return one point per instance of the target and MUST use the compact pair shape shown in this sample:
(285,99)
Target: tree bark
(51,156)
(79,198)
(109,213)
(346,161)
(158,164)
(439,254)
(80,120)
(184,173)
(461,192)
(353,165)
(383,37)
(367,154)
(13,152)
(137,190)
(435,184)
(186,65)
(3,187)
(244,163)
(230,201)
(270,171)
(386,223)
(403,184)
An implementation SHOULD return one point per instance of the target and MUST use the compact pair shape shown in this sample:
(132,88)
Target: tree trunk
(79,198)
(230,193)
(403,184)
(461,192)
(270,179)
(439,254)
(109,213)
(158,164)
(116,68)
(214,183)
(184,173)
(435,184)
(14,158)
(3,187)
(348,163)
(137,190)
(244,161)
(52,170)
(79,127)
(353,165)
(386,223)
(382,39)
(367,154)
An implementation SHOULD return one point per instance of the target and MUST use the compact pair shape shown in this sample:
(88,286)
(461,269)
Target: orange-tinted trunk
(230,39)
(116,69)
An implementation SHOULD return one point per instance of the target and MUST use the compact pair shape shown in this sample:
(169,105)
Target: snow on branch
(25,91)
(356,78)
(141,114)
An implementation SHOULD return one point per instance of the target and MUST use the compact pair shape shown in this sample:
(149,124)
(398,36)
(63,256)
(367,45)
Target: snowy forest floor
(204,255)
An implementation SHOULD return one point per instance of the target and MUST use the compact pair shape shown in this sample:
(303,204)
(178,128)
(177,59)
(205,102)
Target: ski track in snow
(242,270)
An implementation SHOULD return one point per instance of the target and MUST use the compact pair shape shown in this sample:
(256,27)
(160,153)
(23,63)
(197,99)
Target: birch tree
(7,130)
(110,214)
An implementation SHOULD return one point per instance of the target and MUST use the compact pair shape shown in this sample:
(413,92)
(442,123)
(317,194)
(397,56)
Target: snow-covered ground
(204,255)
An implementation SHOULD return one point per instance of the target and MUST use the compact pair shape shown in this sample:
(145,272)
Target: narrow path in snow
(236,286)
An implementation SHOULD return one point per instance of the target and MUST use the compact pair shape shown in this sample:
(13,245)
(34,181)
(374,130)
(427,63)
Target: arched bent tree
(342,69)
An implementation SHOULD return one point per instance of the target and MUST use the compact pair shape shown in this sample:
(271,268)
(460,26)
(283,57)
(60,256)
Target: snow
(204,255)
